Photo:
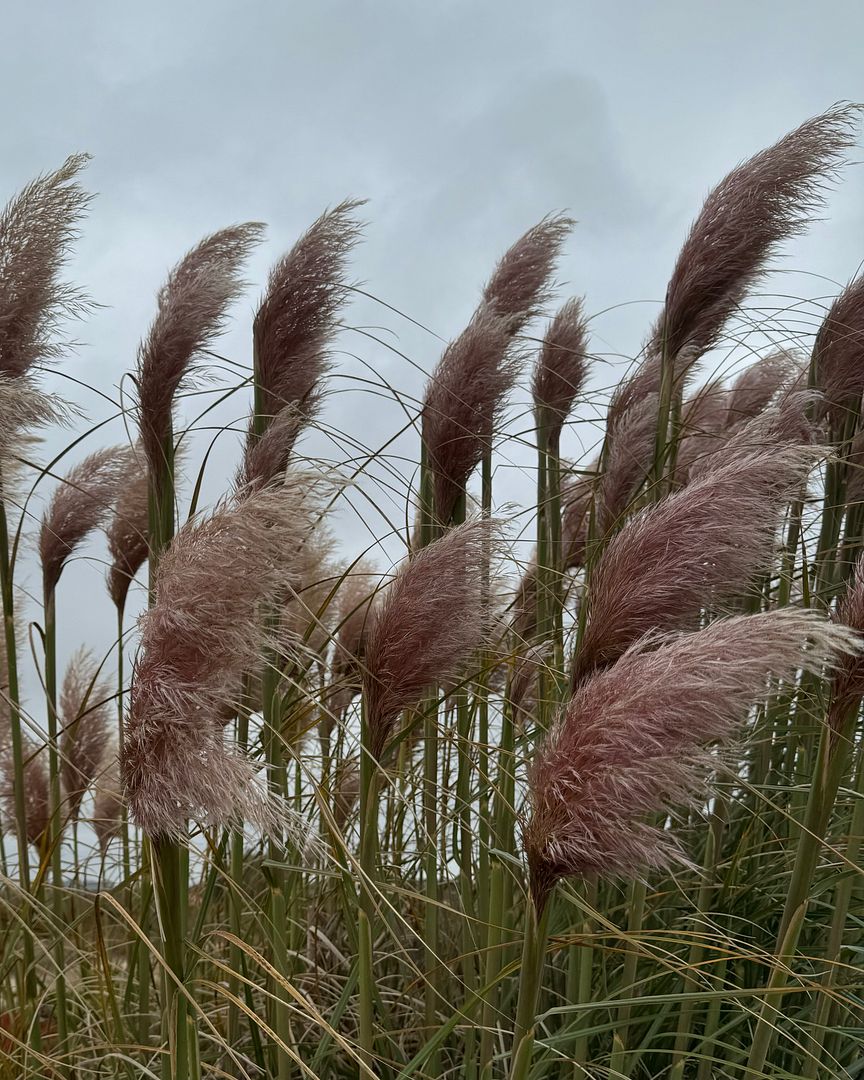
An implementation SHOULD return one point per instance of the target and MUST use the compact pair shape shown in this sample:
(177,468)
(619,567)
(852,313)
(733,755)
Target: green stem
(55,828)
(369,788)
(533,959)
(27,982)
(635,915)
(828,773)
(842,899)
(170,887)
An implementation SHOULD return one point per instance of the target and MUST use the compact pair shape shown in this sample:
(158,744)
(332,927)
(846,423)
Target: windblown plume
(467,391)
(628,460)
(266,456)
(128,529)
(354,601)
(23,407)
(429,623)
(713,415)
(298,316)
(523,621)
(855,471)
(201,635)
(464,402)
(521,282)
(37,803)
(785,424)
(838,353)
(562,367)
(703,426)
(632,741)
(192,307)
(759,384)
(524,681)
(308,616)
(37,229)
(758,206)
(848,687)
(577,497)
(86,718)
(78,506)
(108,802)
(700,546)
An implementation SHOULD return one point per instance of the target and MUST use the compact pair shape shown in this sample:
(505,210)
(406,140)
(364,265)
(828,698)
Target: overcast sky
(462,123)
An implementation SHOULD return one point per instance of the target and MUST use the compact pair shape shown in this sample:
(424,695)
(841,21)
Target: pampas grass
(339,804)
(203,633)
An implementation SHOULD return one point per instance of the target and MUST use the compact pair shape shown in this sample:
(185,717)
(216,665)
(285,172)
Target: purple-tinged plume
(763,202)
(627,462)
(701,546)
(759,385)
(192,309)
(37,229)
(79,505)
(37,802)
(848,687)
(467,391)
(108,801)
(299,314)
(838,353)
(203,633)
(561,367)
(636,740)
(86,718)
(431,620)
(128,529)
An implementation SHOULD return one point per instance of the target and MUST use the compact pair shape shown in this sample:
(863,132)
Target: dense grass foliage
(593,812)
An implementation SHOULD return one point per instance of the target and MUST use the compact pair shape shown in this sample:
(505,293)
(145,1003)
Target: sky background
(462,123)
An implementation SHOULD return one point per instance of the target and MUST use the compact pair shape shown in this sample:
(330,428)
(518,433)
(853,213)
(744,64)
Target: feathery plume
(192,307)
(577,497)
(759,384)
(308,616)
(298,316)
(838,353)
(266,456)
(703,425)
(787,423)
(79,505)
(523,621)
(128,530)
(700,546)
(523,684)
(562,366)
(855,471)
(357,593)
(848,687)
(200,637)
(467,391)
(429,623)
(762,203)
(521,282)
(37,802)
(628,461)
(108,802)
(86,719)
(37,229)
(23,407)
(632,741)
(464,402)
